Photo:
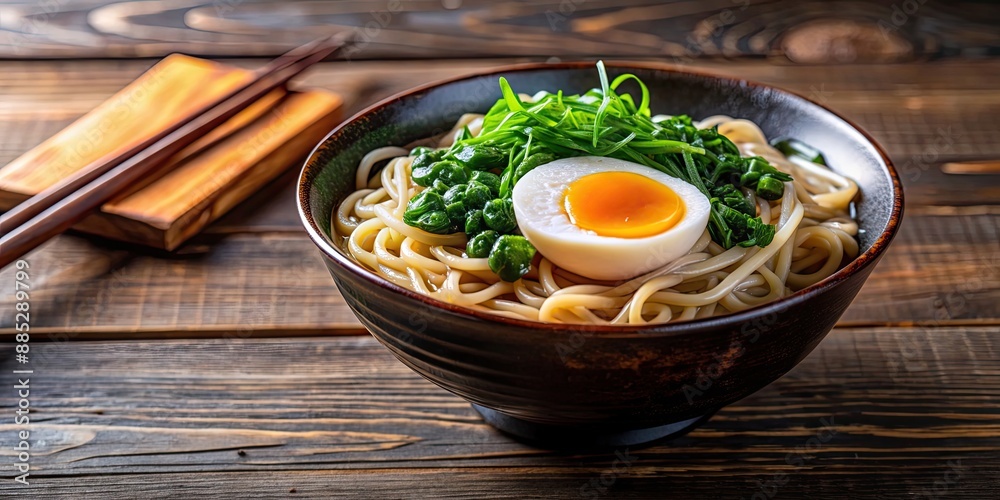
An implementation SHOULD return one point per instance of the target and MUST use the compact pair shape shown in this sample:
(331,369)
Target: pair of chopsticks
(67,202)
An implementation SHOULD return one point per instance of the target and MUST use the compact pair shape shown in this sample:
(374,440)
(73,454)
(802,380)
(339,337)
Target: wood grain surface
(175,88)
(198,184)
(873,413)
(785,30)
(234,369)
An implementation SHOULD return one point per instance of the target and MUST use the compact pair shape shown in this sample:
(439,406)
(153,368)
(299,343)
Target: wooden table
(233,367)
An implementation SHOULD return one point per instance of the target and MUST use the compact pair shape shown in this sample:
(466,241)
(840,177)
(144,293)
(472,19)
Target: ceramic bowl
(562,385)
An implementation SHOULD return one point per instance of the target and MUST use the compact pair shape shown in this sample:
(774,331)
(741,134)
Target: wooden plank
(940,268)
(872,413)
(244,283)
(925,115)
(191,195)
(489,482)
(804,32)
(177,87)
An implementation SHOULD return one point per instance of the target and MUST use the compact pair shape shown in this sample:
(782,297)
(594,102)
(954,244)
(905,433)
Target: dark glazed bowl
(594,385)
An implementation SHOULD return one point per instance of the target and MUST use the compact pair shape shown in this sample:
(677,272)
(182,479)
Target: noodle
(814,236)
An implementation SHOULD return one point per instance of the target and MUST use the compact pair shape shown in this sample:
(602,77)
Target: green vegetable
(421,174)
(456,212)
(439,187)
(427,211)
(426,157)
(795,147)
(531,162)
(499,215)
(477,195)
(474,223)
(747,231)
(526,165)
(434,222)
(420,150)
(749,178)
(481,244)
(517,137)
(423,203)
(480,156)
(491,181)
(510,257)
(452,174)
(770,188)
(448,172)
(756,168)
(454,193)
(463,134)
(733,198)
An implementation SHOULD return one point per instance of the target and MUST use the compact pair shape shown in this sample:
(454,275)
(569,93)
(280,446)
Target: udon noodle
(815,235)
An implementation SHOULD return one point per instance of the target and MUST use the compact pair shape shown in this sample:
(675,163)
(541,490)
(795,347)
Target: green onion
(794,147)
(477,174)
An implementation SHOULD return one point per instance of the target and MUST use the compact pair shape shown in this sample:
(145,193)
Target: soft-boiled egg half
(608,219)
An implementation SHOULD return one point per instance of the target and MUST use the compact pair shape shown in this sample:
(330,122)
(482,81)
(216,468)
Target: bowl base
(567,437)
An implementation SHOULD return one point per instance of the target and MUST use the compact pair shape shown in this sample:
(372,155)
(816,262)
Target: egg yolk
(622,205)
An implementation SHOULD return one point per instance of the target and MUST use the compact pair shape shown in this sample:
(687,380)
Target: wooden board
(870,414)
(785,30)
(910,385)
(198,184)
(177,87)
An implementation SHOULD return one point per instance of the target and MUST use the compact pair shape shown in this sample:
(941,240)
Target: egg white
(538,204)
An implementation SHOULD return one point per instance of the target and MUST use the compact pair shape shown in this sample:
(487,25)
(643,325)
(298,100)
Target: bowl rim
(862,261)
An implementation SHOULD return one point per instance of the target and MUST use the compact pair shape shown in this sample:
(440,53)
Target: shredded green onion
(515,139)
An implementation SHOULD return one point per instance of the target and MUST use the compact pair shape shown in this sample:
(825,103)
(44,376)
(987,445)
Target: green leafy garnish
(475,224)
(427,211)
(481,244)
(499,215)
(476,175)
(448,172)
(510,257)
(794,147)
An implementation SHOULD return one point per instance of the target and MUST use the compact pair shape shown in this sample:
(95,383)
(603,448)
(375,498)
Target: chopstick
(65,203)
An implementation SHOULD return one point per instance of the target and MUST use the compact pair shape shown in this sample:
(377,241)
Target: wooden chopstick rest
(196,185)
